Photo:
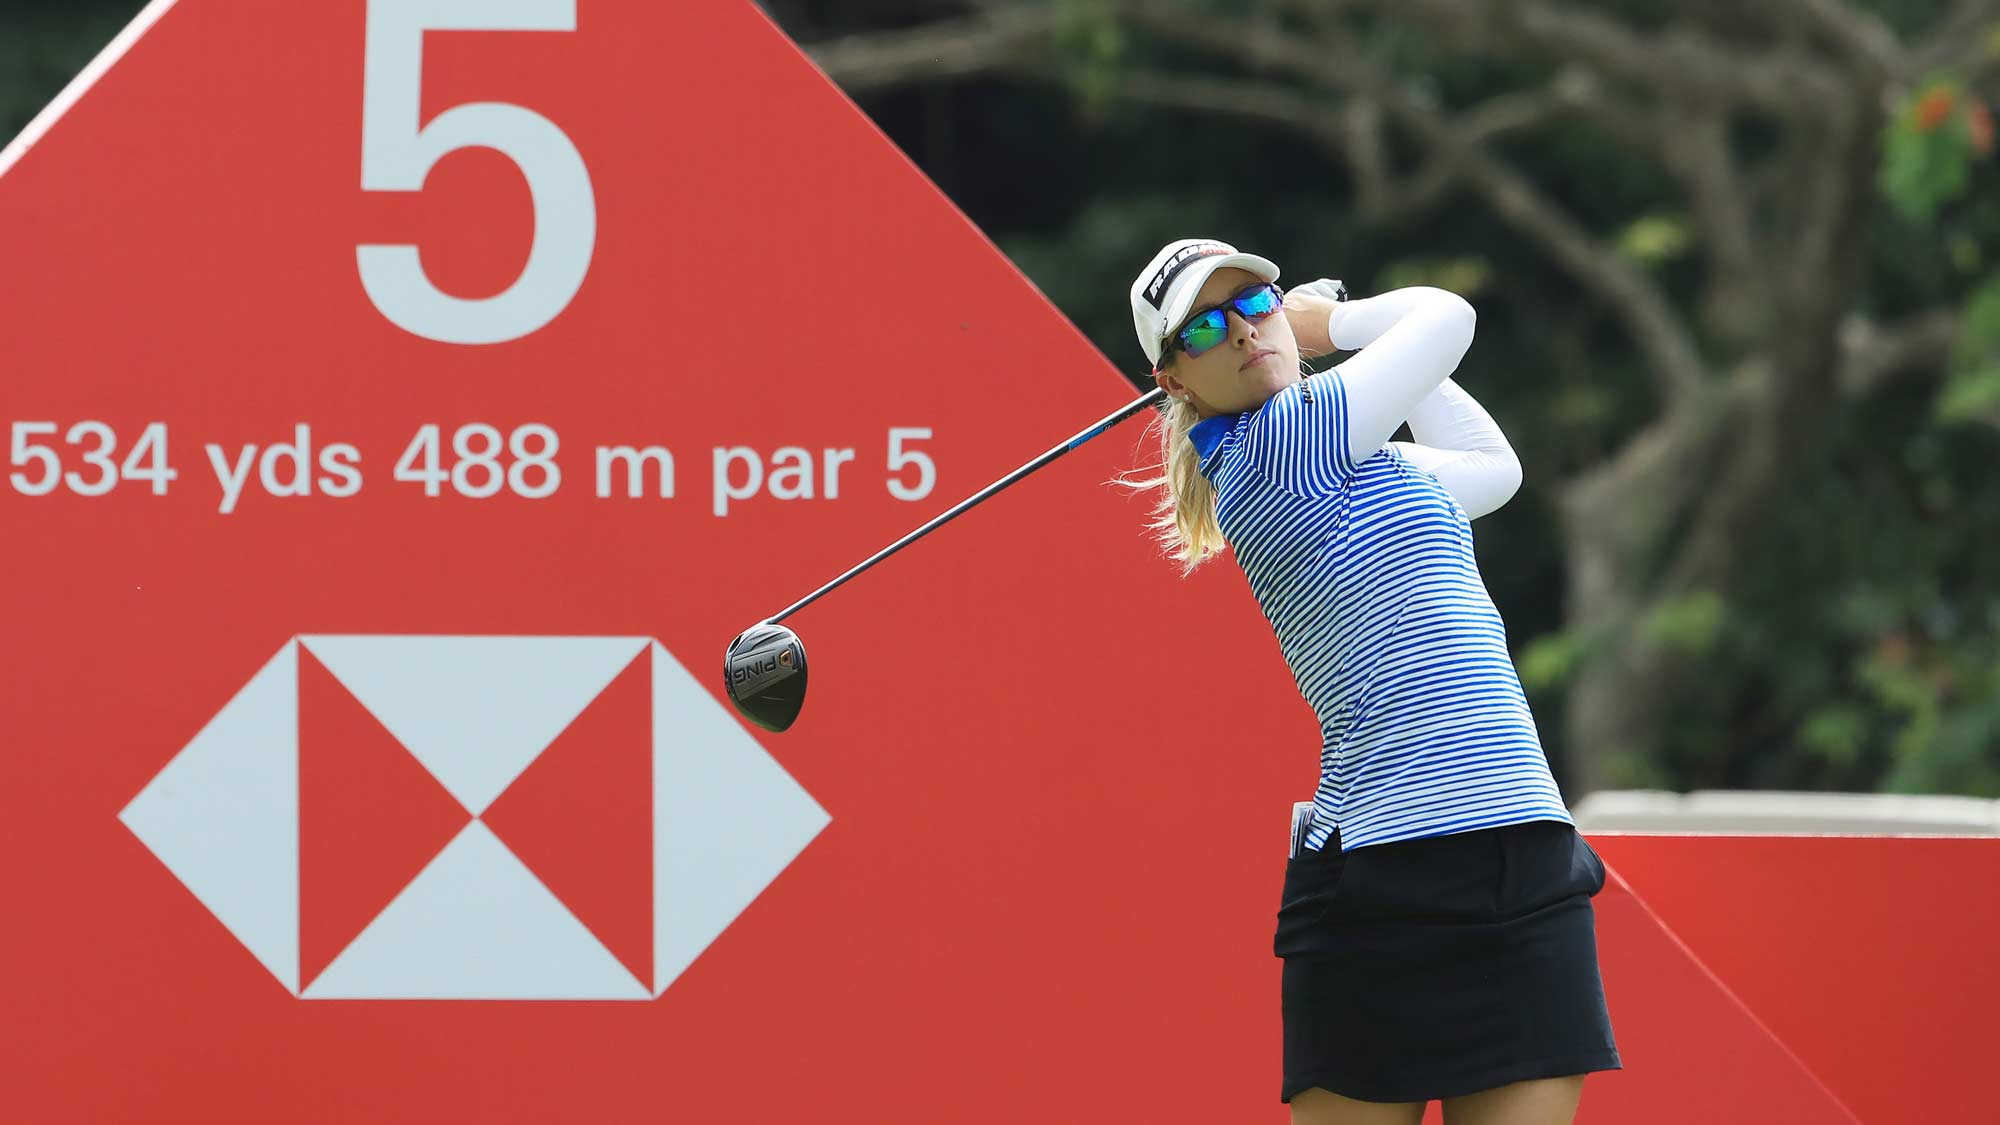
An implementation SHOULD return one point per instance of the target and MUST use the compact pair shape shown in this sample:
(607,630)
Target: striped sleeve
(1310,437)
(1298,440)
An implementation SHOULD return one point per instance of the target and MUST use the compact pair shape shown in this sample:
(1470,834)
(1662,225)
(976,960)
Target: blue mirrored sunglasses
(1210,327)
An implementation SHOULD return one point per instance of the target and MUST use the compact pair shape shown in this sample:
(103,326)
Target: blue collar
(1208,433)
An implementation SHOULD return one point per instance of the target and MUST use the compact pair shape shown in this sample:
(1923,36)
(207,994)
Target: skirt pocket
(1544,862)
(1593,863)
(1312,882)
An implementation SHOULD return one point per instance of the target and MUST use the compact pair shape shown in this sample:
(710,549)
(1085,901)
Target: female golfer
(1436,925)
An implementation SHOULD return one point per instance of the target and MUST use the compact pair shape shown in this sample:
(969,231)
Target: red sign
(406,404)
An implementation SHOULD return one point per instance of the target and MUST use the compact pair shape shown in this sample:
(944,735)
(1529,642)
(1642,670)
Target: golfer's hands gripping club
(1309,310)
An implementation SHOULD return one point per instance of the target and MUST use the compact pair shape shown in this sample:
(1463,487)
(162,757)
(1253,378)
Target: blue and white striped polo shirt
(1367,575)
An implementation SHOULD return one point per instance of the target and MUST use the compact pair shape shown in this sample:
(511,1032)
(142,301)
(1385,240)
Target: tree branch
(1658,331)
(952,48)
(1013,39)
(1681,60)
(1872,355)
(1361,142)
(1231,96)
(1825,271)
(1960,40)
(1699,154)
(1861,34)
(1382,196)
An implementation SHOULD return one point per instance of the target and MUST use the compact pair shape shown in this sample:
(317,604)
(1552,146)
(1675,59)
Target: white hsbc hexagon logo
(503,908)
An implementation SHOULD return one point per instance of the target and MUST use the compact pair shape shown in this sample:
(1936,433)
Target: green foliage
(1972,395)
(1691,624)
(1945,726)
(1972,392)
(1548,661)
(1624,769)
(1581,406)
(1653,239)
(1929,149)
(1836,732)
(1092,45)
(1467,276)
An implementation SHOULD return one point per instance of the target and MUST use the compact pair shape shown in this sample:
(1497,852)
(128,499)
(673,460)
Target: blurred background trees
(1738,274)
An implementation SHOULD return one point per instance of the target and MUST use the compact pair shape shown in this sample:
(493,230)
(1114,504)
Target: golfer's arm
(1458,442)
(1411,340)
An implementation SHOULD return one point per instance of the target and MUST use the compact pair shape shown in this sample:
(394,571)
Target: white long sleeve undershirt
(1410,342)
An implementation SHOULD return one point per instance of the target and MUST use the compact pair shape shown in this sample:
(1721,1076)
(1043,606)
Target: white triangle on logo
(476,925)
(475,710)
(223,815)
(727,819)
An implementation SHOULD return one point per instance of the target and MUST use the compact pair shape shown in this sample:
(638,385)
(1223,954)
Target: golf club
(764,669)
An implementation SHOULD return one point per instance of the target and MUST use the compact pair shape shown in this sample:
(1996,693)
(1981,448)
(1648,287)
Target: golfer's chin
(1254,386)
(1264,379)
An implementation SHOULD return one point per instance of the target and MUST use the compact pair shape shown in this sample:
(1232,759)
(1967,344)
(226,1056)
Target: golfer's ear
(1167,381)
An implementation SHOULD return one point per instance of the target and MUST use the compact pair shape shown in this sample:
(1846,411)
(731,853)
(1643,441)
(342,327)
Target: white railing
(1750,812)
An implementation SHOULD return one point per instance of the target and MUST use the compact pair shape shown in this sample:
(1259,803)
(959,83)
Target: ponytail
(1184,521)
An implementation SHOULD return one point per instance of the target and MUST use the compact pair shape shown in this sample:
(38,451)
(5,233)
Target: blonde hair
(1184,521)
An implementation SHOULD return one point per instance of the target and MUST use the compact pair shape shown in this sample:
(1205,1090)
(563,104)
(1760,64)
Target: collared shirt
(1365,570)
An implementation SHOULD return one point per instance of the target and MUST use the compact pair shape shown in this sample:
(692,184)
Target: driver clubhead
(764,672)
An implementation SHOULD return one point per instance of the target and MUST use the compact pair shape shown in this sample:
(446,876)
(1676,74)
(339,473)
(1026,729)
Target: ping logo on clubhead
(759,670)
(504,908)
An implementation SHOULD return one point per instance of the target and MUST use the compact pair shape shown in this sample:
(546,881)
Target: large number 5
(396,155)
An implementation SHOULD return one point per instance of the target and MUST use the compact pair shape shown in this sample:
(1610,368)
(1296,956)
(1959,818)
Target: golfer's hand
(1308,309)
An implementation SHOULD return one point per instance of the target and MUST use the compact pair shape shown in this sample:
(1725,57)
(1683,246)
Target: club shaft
(1112,419)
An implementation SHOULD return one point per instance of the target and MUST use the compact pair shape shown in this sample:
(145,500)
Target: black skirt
(1443,966)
